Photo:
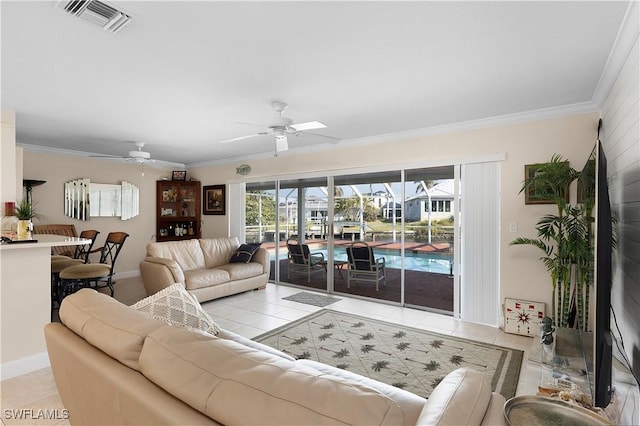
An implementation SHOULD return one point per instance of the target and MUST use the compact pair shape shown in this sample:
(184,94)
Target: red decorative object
(523,317)
(9,208)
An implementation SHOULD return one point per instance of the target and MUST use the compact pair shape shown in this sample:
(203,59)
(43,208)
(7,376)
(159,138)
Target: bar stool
(93,275)
(80,256)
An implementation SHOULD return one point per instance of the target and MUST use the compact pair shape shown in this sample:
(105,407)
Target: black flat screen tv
(602,356)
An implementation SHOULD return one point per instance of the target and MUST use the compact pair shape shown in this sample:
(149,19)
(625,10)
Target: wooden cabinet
(177,210)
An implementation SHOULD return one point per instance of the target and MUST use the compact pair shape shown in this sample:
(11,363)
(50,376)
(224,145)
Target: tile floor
(251,314)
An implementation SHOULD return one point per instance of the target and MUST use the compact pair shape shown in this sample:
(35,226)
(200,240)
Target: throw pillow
(244,253)
(175,306)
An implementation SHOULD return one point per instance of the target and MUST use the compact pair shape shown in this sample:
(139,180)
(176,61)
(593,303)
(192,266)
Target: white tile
(291,314)
(477,332)
(409,316)
(440,323)
(514,341)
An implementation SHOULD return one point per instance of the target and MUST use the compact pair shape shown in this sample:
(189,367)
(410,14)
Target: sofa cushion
(235,384)
(175,306)
(218,251)
(199,278)
(107,324)
(461,398)
(411,403)
(244,253)
(230,335)
(240,271)
(187,253)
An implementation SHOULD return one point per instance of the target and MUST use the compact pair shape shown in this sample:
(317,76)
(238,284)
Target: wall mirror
(84,200)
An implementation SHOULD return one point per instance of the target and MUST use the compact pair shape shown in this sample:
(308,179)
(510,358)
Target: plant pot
(24,229)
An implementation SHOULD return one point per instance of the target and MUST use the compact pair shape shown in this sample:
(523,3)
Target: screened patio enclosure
(406,217)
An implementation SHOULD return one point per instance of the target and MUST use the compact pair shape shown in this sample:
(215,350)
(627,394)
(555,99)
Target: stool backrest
(112,247)
(83,252)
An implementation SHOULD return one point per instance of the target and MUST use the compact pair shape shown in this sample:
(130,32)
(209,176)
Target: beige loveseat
(202,265)
(115,365)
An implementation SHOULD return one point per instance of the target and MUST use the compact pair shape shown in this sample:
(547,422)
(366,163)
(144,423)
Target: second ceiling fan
(281,127)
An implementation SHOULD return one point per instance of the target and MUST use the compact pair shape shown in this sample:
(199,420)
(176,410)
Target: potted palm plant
(24,213)
(565,241)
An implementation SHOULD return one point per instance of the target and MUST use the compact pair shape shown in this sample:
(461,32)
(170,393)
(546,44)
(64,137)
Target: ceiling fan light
(140,155)
(281,142)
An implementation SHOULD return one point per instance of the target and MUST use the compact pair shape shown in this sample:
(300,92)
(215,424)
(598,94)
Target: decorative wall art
(536,190)
(179,175)
(213,200)
(523,317)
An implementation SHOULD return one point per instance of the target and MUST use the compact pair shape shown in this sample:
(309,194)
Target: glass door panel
(302,211)
(367,216)
(429,243)
(261,225)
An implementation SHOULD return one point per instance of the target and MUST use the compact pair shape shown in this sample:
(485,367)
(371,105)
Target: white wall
(522,275)
(621,142)
(49,198)
(8,164)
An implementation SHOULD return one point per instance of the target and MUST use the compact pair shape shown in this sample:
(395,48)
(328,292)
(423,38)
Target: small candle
(9,208)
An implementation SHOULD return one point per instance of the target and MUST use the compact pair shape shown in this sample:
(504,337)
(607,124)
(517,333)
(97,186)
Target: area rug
(405,357)
(312,299)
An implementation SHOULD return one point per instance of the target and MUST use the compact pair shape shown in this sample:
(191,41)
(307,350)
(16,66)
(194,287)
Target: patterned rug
(312,299)
(405,357)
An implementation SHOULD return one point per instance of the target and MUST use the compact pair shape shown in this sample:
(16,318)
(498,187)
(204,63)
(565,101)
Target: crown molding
(625,39)
(502,120)
(160,164)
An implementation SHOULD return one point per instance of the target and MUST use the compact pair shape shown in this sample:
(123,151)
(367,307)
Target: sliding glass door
(402,221)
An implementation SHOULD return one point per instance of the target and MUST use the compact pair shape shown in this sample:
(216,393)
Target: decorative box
(523,317)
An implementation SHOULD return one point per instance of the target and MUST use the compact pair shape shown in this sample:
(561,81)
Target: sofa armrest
(262,257)
(495,411)
(461,398)
(159,273)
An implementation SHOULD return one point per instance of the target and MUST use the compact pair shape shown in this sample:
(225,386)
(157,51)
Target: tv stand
(567,362)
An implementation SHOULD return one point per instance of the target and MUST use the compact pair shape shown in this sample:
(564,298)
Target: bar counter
(25,302)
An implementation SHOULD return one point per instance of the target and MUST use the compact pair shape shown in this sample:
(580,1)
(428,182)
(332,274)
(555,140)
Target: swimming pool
(424,262)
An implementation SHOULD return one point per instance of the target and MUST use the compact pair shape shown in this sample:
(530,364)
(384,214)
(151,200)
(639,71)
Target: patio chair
(363,266)
(301,260)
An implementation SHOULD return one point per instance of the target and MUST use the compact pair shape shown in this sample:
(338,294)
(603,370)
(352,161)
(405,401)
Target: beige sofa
(202,265)
(115,365)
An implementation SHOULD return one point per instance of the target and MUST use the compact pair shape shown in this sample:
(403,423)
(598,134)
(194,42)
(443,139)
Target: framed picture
(213,200)
(179,175)
(530,194)
(523,317)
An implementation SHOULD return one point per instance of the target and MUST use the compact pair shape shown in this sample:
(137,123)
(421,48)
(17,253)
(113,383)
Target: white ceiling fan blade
(243,137)
(140,160)
(333,139)
(113,157)
(244,123)
(309,125)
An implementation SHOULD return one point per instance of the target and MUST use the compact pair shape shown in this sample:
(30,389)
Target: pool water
(424,262)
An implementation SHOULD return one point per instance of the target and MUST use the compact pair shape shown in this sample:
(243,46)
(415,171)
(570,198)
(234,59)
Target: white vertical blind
(479,285)
(236,210)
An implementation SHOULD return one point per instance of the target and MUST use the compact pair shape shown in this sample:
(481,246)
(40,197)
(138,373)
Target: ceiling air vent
(97,13)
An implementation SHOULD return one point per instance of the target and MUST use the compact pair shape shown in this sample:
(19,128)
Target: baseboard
(128,274)
(24,365)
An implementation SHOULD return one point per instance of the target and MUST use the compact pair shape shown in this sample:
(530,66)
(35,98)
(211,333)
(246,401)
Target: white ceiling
(183,76)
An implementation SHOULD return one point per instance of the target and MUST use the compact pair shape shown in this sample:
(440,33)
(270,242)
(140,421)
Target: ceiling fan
(281,127)
(138,156)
